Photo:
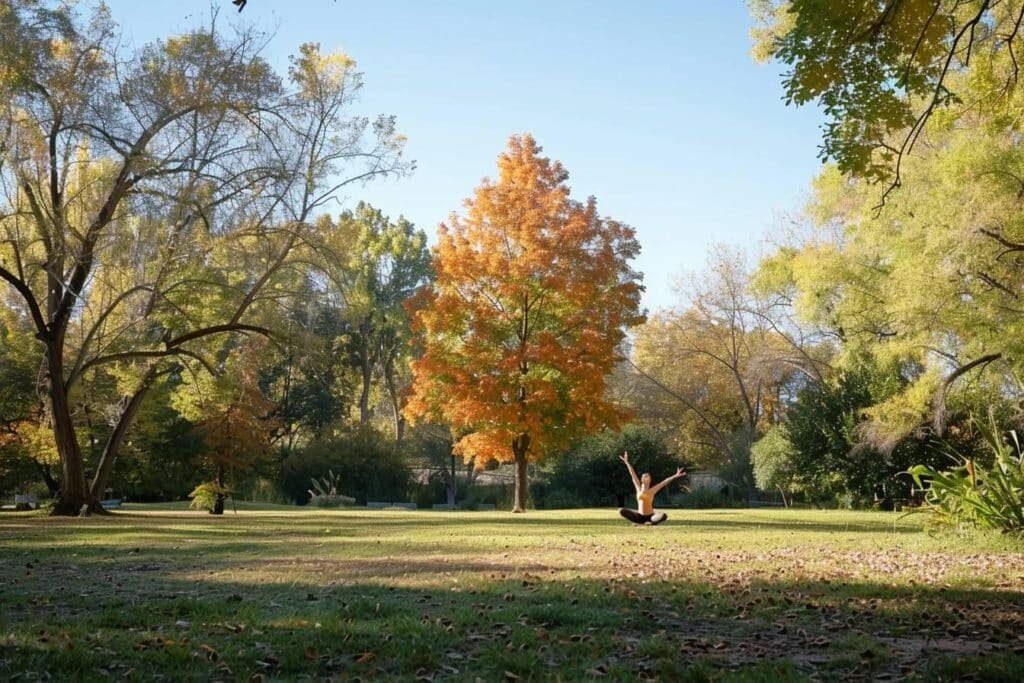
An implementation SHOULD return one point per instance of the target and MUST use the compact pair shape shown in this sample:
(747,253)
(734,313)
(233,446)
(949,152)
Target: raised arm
(679,473)
(632,473)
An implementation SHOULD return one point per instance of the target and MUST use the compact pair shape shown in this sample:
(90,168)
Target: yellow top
(645,501)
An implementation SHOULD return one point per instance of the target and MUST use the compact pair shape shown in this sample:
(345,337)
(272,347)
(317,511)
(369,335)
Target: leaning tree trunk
(113,445)
(74,494)
(520,447)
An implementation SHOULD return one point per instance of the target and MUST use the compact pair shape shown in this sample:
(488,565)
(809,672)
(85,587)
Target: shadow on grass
(75,618)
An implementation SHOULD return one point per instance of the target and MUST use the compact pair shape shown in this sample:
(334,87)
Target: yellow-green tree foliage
(931,282)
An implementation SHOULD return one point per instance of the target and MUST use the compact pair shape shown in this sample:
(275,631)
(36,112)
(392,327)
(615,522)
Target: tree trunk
(451,483)
(366,370)
(74,494)
(782,492)
(218,505)
(396,408)
(520,447)
(113,445)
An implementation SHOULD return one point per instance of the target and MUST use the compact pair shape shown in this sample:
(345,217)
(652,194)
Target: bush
(330,500)
(260,490)
(426,495)
(971,494)
(591,474)
(368,465)
(324,493)
(772,460)
(204,496)
(563,500)
(498,495)
(700,499)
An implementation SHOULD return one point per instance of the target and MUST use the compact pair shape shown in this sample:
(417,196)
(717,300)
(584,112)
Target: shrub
(563,500)
(368,465)
(700,499)
(331,500)
(971,494)
(204,496)
(772,460)
(324,493)
(591,474)
(498,495)
(257,489)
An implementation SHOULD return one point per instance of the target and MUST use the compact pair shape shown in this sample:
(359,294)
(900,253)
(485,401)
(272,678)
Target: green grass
(277,593)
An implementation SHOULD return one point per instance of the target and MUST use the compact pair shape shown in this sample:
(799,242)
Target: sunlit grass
(287,593)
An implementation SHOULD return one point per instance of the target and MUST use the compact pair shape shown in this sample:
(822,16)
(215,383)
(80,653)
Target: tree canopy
(880,69)
(525,320)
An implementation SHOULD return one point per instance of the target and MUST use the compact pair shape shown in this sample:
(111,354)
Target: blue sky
(655,108)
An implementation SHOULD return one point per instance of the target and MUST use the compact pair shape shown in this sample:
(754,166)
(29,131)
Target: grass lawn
(286,594)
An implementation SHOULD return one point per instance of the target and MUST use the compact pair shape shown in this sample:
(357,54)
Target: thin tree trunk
(520,447)
(783,494)
(451,482)
(366,370)
(218,505)
(113,445)
(396,408)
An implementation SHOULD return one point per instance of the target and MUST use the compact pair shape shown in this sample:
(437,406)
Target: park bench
(111,503)
(26,501)
(445,506)
(377,505)
(404,506)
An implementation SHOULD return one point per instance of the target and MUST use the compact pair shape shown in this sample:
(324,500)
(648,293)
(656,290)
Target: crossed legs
(637,518)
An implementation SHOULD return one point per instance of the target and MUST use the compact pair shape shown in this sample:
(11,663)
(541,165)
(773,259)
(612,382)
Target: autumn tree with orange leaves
(525,320)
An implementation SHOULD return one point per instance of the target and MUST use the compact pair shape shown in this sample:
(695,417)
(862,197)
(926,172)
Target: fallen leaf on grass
(365,657)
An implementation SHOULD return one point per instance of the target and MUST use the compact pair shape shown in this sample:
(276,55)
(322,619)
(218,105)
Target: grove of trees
(184,308)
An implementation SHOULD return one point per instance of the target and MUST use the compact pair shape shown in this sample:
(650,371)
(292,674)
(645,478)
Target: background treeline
(181,313)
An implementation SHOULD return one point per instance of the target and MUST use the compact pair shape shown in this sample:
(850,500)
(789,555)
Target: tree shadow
(179,616)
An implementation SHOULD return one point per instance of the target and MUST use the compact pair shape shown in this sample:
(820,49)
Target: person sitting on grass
(645,495)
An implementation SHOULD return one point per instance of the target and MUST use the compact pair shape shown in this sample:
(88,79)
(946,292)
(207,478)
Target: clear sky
(654,107)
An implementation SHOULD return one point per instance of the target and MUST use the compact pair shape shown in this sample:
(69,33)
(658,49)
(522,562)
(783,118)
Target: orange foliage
(527,315)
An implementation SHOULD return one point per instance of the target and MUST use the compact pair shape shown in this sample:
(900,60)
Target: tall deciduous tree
(721,366)
(377,265)
(533,294)
(233,417)
(133,186)
(931,284)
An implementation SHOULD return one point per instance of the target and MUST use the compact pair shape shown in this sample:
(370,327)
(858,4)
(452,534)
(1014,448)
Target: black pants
(637,518)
